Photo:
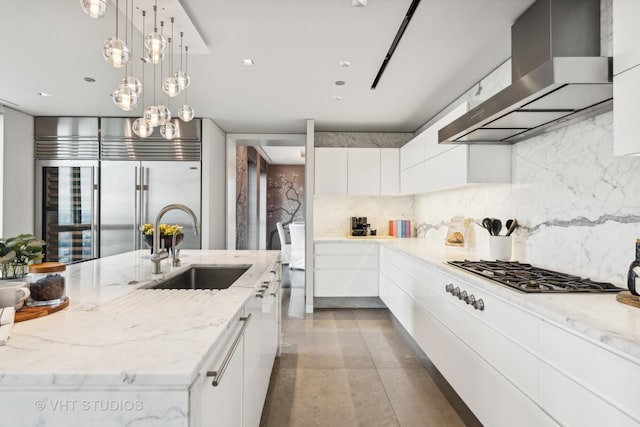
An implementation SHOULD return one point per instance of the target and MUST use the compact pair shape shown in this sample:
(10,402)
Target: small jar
(46,283)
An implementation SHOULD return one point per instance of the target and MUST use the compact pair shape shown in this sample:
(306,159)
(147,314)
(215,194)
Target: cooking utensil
(486,223)
(512,224)
(496,226)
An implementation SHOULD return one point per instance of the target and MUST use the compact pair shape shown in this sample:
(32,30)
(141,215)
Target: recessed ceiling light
(345,64)
(337,98)
(340,82)
(359,3)
(248,62)
(89,80)
(42,94)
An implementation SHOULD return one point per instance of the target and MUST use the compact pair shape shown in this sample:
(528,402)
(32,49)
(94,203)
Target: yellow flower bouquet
(166,235)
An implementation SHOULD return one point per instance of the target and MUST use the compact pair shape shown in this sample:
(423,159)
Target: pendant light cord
(144,14)
(161,79)
(186,70)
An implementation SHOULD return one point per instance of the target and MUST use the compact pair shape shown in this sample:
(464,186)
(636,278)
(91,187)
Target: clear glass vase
(13,270)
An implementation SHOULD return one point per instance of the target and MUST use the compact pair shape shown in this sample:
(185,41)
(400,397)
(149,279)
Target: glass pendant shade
(116,52)
(168,130)
(142,127)
(125,98)
(166,114)
(94,8)
(154,57)
(186,113)
(153,115)
(171,87)
(155,42)
(183,79)
(132,83)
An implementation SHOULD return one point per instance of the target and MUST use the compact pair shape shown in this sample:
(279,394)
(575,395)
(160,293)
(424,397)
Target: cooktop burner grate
(527,278)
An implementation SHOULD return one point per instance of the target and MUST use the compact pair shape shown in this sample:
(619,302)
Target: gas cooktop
(527,278)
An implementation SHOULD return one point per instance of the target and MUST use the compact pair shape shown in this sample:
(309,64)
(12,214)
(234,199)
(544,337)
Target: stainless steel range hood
(557,75)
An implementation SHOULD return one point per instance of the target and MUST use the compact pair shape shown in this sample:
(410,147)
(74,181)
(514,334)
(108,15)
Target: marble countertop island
(117,333)
(598,316)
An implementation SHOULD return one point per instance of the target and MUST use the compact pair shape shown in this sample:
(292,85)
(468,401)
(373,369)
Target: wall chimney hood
(557,77)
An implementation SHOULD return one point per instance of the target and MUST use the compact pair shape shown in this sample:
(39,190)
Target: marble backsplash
(332,214)
(578,205)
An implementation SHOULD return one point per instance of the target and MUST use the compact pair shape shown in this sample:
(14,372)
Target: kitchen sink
(204,277)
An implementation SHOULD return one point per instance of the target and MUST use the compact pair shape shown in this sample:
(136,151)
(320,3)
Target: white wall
(213,186)
(18,174)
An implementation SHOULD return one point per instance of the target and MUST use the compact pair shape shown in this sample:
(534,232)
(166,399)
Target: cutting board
(28,313)
(628,298)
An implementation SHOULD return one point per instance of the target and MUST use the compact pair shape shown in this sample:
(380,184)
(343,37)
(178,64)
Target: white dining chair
(285,248)
(297,246)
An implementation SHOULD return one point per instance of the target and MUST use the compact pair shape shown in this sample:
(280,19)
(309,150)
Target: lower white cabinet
(348,269)
(220,402)
(510,366)
(245,356)
(483,365)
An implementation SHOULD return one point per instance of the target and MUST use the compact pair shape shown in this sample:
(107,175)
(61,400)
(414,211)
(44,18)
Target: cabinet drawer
(613,378)
(346,261)
(573,405)
(346,283)
(347,248)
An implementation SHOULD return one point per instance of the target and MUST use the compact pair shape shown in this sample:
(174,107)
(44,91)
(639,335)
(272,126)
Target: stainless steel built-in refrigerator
(140,176)
(131,182)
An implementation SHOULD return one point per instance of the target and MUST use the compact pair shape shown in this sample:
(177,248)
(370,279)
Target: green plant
(21,249)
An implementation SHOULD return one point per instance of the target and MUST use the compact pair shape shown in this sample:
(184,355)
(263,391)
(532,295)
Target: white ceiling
(283,155)
(50,46)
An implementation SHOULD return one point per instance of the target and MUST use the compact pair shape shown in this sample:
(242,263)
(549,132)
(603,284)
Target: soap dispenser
(633,276)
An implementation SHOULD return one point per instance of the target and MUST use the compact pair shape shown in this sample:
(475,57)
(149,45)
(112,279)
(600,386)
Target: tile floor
(354,367)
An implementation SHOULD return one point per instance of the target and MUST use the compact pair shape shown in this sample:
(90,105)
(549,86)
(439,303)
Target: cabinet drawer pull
(217,375)
(275,291)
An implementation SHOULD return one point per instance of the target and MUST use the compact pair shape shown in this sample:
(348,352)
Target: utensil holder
(500,247)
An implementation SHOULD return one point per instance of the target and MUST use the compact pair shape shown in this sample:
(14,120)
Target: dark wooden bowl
(165,241)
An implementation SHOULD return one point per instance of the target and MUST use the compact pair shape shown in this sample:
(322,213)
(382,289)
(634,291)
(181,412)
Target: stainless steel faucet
(158,256)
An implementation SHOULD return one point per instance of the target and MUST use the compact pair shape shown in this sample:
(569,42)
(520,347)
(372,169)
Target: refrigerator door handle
(94,216)
(136,215)
(145,193)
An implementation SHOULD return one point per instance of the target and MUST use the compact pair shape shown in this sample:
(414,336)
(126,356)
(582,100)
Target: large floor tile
(416,399)
(387,348)
(320,325)
(325,349)
(329,397)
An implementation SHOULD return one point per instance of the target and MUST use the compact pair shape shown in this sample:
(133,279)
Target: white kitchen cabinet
(626,87)
(492,397)
(363,172)
(479,352)
(348,269)
(221,403)
(626,33)
(572,366)
(412,152)
(357,171)
(389,171)
(626,80)
(443,166)
(331,170)
(412,179)
(260,346)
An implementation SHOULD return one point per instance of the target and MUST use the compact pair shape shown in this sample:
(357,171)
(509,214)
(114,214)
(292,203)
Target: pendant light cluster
(154,46)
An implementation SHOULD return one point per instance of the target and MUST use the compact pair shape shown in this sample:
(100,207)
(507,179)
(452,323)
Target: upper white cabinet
(389,171)
(442,166)
(626,80)
(331,171)
(357,171)
(626,34)
(363,172)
